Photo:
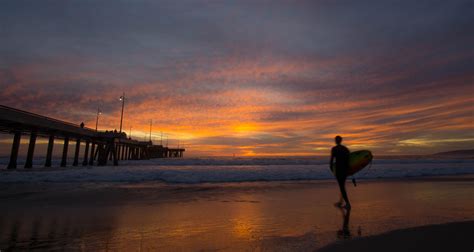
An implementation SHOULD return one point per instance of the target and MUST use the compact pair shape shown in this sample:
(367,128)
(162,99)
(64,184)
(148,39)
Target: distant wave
(245,161)
(231,170)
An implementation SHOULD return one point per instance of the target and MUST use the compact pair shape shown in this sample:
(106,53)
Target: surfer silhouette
(340,154)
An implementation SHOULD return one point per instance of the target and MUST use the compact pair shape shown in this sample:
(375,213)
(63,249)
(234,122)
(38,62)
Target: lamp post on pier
(151,124)
(99,112)
(122,98)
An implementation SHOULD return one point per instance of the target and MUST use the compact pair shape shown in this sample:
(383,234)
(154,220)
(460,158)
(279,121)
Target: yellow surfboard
(358,160)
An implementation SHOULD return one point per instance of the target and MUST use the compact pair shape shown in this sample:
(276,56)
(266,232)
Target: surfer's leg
(342,186)
(340,202)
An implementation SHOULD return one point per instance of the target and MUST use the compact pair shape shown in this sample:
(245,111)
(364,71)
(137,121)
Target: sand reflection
(247,219)
(345,233)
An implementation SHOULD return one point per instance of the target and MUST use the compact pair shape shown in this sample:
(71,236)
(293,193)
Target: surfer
(340,153)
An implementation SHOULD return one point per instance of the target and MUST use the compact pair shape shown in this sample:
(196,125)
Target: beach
(443,237)
(243,216)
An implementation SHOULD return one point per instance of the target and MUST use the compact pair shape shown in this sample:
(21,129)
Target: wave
(187,171)
(241,161)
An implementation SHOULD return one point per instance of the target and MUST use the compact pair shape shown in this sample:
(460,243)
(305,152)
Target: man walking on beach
(340,153)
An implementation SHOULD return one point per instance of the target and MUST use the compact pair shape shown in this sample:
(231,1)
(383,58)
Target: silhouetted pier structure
(99,146)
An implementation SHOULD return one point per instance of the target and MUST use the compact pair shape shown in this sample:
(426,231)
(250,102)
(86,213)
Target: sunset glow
(226,79)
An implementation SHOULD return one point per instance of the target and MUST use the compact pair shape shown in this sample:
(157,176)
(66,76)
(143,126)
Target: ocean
(216,170)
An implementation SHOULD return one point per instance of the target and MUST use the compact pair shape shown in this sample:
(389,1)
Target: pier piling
(31,150)
(91,159)
(86,152)
(49,151)
(76,152)
(114,154)
(14,152)
(64,156)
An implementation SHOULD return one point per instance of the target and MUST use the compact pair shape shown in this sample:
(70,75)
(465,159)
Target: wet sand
(443,237)
(256,216)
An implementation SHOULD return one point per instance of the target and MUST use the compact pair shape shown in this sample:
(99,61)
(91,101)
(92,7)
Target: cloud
(251,78)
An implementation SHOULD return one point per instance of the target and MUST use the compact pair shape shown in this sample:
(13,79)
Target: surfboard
(358,160)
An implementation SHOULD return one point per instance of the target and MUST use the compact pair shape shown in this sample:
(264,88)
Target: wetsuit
(341,154)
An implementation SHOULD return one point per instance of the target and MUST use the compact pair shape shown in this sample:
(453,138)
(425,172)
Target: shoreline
(442,177)
(453,236)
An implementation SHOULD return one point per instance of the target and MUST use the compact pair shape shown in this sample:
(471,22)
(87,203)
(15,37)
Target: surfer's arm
(331,160)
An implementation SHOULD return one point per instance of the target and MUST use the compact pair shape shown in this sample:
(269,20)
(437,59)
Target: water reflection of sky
(294,216)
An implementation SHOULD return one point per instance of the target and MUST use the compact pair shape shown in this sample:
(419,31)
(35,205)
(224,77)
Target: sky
(250,78)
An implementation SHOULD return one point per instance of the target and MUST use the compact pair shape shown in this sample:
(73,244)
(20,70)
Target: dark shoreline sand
(455,236)
(250,216)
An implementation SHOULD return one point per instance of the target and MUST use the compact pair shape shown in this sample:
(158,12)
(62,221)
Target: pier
(100,147)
